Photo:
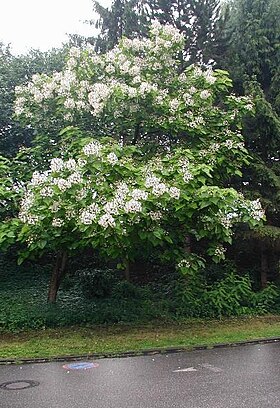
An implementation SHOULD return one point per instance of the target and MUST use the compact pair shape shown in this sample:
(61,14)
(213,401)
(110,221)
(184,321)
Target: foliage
(251,55)
(231,296)
(15,71)
(96,282)
(109,199)
(254,66)
(253,29)
(23,306)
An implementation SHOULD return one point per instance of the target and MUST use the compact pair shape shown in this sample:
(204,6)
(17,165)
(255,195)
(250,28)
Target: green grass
(118,338)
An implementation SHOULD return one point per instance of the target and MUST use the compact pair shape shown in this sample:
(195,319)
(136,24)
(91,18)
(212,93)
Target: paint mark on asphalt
(183,370)
(199,367)
(80,366)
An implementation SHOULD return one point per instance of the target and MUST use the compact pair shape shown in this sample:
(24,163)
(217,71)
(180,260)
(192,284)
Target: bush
(96,283)
(233,295)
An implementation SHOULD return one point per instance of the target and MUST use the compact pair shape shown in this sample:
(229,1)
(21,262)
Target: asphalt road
(239,377)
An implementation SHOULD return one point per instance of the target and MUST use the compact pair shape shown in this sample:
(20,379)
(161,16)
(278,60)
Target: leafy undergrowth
(119,338)
(93,297)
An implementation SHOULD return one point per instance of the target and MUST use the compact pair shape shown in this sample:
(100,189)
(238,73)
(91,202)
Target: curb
(147,352)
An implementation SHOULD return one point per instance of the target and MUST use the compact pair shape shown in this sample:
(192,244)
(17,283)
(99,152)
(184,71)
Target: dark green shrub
(127,290)
(96,283)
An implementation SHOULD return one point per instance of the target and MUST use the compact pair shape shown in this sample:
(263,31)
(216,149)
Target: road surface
(238,377)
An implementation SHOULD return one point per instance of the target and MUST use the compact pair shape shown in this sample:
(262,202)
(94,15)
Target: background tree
(197,20)
(15,71)
(252,56)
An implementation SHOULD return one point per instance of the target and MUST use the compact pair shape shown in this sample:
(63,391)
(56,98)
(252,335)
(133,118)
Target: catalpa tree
(119,198)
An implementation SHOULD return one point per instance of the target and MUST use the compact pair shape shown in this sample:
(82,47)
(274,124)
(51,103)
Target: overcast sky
(43,24)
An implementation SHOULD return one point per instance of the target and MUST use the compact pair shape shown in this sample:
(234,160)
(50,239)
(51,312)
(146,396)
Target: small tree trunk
(127,270)
(264,268)
(57,276)
(187,245)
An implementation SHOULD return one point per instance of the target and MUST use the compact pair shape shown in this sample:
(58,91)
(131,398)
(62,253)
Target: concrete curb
(147,352)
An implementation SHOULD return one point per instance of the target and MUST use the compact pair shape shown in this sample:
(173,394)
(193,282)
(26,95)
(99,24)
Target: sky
(43,24)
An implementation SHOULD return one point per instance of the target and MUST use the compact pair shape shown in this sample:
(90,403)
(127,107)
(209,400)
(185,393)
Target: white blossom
(256,210)
(57,222)
(155,215)
(138,194)
(92,149)
(205,94)
(38,178)
(184,263)
(219,251)
(56,165)
(75,178)
(88,215)
(47,191)
(133,206)
(112,158)
(151,180)
(107,221)
(55,207)
(159,189)
(61,183)
(174,192)
(70,164)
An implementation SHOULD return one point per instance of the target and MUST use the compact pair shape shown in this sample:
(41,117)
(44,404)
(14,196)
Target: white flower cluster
(107,221)
(92,149)
(219,251)
(133,206)
(185,171)
(47,191)
(61,183)
(88,215)
(28,201)
(205,94)
(184,263)
(168,31)
(174,192)
(230,144)
(256,211)
(228,219)
(57,222)
(155,215)
(138,194)
(56,165)
(98,96)
(112,158)
(38,178)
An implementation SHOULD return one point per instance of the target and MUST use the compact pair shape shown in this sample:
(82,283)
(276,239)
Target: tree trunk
(57,276)
(264,268)
(127,270)
(187,245)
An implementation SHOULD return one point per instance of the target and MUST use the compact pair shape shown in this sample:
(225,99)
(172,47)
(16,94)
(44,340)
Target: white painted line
(183,370)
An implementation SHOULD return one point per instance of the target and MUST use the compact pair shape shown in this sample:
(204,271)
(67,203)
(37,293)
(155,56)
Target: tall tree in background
(196,19)
(252,56)
(127,18)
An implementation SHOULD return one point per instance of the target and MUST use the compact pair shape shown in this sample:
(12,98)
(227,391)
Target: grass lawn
(118,338)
